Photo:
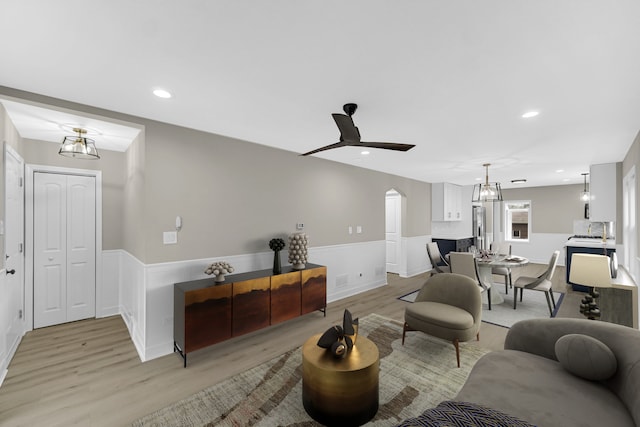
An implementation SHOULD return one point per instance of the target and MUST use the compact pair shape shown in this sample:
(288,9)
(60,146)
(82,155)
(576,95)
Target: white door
(14,247)
(64,276)
(393,230)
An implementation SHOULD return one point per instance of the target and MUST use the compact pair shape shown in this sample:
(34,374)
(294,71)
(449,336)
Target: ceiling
(451,77)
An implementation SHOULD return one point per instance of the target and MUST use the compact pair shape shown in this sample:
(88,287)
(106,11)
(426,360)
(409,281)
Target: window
(517,215)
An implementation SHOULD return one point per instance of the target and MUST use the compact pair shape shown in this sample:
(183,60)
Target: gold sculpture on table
(339,340)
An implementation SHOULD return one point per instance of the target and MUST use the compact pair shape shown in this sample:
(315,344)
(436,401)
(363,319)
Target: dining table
(488,262)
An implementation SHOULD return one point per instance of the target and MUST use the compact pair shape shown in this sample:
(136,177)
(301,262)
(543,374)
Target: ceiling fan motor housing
(350,108)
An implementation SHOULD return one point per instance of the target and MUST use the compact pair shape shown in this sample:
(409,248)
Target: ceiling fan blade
(348,131)
(328,147)
(387,145)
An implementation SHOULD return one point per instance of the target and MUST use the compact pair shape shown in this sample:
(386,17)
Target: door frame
(29,205)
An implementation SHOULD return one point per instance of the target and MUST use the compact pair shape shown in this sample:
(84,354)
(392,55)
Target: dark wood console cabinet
(206,312)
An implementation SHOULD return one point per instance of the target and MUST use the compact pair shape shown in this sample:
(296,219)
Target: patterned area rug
(413,378)
(533,305)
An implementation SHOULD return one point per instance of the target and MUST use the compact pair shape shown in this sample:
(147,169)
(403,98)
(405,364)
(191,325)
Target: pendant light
(489,191)
(584,196)
(79,147)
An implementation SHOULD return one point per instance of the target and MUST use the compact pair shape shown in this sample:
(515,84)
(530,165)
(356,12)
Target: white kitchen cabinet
(602,191)
(446,202)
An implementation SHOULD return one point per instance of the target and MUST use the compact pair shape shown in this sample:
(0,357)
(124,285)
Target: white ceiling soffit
(50,125)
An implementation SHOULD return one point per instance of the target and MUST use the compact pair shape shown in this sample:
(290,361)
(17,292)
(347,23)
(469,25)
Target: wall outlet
(170,237)
(359,229)
(350,230)
(299,226)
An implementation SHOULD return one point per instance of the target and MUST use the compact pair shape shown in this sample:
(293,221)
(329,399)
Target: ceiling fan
(350,136)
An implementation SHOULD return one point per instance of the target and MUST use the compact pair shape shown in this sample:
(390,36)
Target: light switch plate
(170,237)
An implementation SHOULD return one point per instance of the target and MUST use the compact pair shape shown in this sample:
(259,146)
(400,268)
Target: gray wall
(233,195)
(553,208)
(133,212)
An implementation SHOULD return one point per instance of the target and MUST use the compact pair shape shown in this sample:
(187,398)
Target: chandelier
(487,192)
(79,147)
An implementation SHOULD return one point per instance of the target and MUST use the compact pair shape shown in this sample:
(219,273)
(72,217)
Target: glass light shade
(79,147)
(487,192)
(584,196)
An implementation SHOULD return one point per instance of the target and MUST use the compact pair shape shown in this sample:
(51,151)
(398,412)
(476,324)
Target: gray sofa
(526,380)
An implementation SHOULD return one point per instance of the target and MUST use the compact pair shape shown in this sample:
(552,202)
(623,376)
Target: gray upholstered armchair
(448,306)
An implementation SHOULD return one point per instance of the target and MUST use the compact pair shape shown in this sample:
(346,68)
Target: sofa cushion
(540,391)
(586,357)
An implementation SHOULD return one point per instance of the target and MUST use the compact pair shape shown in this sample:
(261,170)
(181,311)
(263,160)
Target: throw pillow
(586,357)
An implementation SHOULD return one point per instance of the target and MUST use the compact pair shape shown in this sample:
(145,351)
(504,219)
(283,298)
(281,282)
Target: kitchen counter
(619,304)
(591,243)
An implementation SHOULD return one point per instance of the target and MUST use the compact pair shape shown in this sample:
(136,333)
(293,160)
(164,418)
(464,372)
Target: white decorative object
(298,250)
(219,269)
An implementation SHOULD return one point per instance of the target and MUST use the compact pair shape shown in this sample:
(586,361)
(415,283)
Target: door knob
(12,271)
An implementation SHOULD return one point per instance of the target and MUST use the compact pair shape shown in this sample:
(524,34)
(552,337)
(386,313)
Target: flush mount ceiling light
(79,147)
(584,196)
(161,93)
(530,114)
(489,191)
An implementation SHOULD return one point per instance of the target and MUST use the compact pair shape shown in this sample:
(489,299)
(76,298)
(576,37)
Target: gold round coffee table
(340,391)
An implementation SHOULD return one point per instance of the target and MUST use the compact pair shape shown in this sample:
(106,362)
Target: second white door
(64,276)
(393,230)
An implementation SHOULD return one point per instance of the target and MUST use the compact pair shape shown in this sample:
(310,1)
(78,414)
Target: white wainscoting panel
(146,291)
(417,260)
(540,247)
(133,299)
(363,265)
(109,290)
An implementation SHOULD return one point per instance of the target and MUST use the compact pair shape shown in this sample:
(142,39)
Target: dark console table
(206,312)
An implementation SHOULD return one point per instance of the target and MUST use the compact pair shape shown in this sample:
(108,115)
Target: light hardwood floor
(88,373)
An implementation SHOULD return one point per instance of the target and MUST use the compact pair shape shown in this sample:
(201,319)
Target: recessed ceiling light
(161,93)
(559,170)
(566,180)
(530,114)
(518,181)
(365,153)
(478,179)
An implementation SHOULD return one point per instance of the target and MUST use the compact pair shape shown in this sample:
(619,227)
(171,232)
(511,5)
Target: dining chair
(541,283)
(502,248)
(465,263)
(438,262)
